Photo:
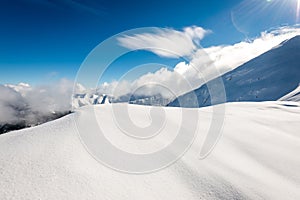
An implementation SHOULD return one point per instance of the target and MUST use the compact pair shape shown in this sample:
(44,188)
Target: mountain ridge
(267,77)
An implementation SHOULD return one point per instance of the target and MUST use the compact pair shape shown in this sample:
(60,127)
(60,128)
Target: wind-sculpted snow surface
(256,158)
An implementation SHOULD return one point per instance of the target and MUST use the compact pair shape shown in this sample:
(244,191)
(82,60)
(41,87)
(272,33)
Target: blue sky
(42,41)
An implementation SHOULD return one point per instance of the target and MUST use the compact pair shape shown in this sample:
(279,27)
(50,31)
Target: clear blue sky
(47,40)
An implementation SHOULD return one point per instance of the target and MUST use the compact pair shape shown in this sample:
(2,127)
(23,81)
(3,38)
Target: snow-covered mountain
(292,96)
(89,98)
(155,100)
(267,77)
(22,88)
(256,158)
(93,98)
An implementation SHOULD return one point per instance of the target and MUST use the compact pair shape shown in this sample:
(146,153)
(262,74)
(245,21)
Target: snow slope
(256,158)
(265,78)
(292,96)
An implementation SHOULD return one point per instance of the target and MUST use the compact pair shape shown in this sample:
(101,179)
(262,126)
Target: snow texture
(256,158)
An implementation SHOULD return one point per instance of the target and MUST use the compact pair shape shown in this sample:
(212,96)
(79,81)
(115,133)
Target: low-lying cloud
(33,105)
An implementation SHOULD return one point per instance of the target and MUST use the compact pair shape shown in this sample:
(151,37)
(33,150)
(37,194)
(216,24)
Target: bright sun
(297,9)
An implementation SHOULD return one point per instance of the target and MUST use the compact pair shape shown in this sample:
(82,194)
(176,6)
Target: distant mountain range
(267,77)
(87,98)
(93,98)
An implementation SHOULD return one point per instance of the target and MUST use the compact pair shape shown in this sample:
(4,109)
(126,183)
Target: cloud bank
(33,105)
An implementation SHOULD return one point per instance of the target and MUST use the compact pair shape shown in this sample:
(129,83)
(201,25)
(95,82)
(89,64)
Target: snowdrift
(256,158)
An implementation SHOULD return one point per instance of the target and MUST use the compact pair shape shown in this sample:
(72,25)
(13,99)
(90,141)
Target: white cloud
(231,56)
(51,98)
(11,104)
(166,42)
(23,103)
(203,61)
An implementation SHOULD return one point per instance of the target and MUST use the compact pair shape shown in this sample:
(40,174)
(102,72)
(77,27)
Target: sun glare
(297,11)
